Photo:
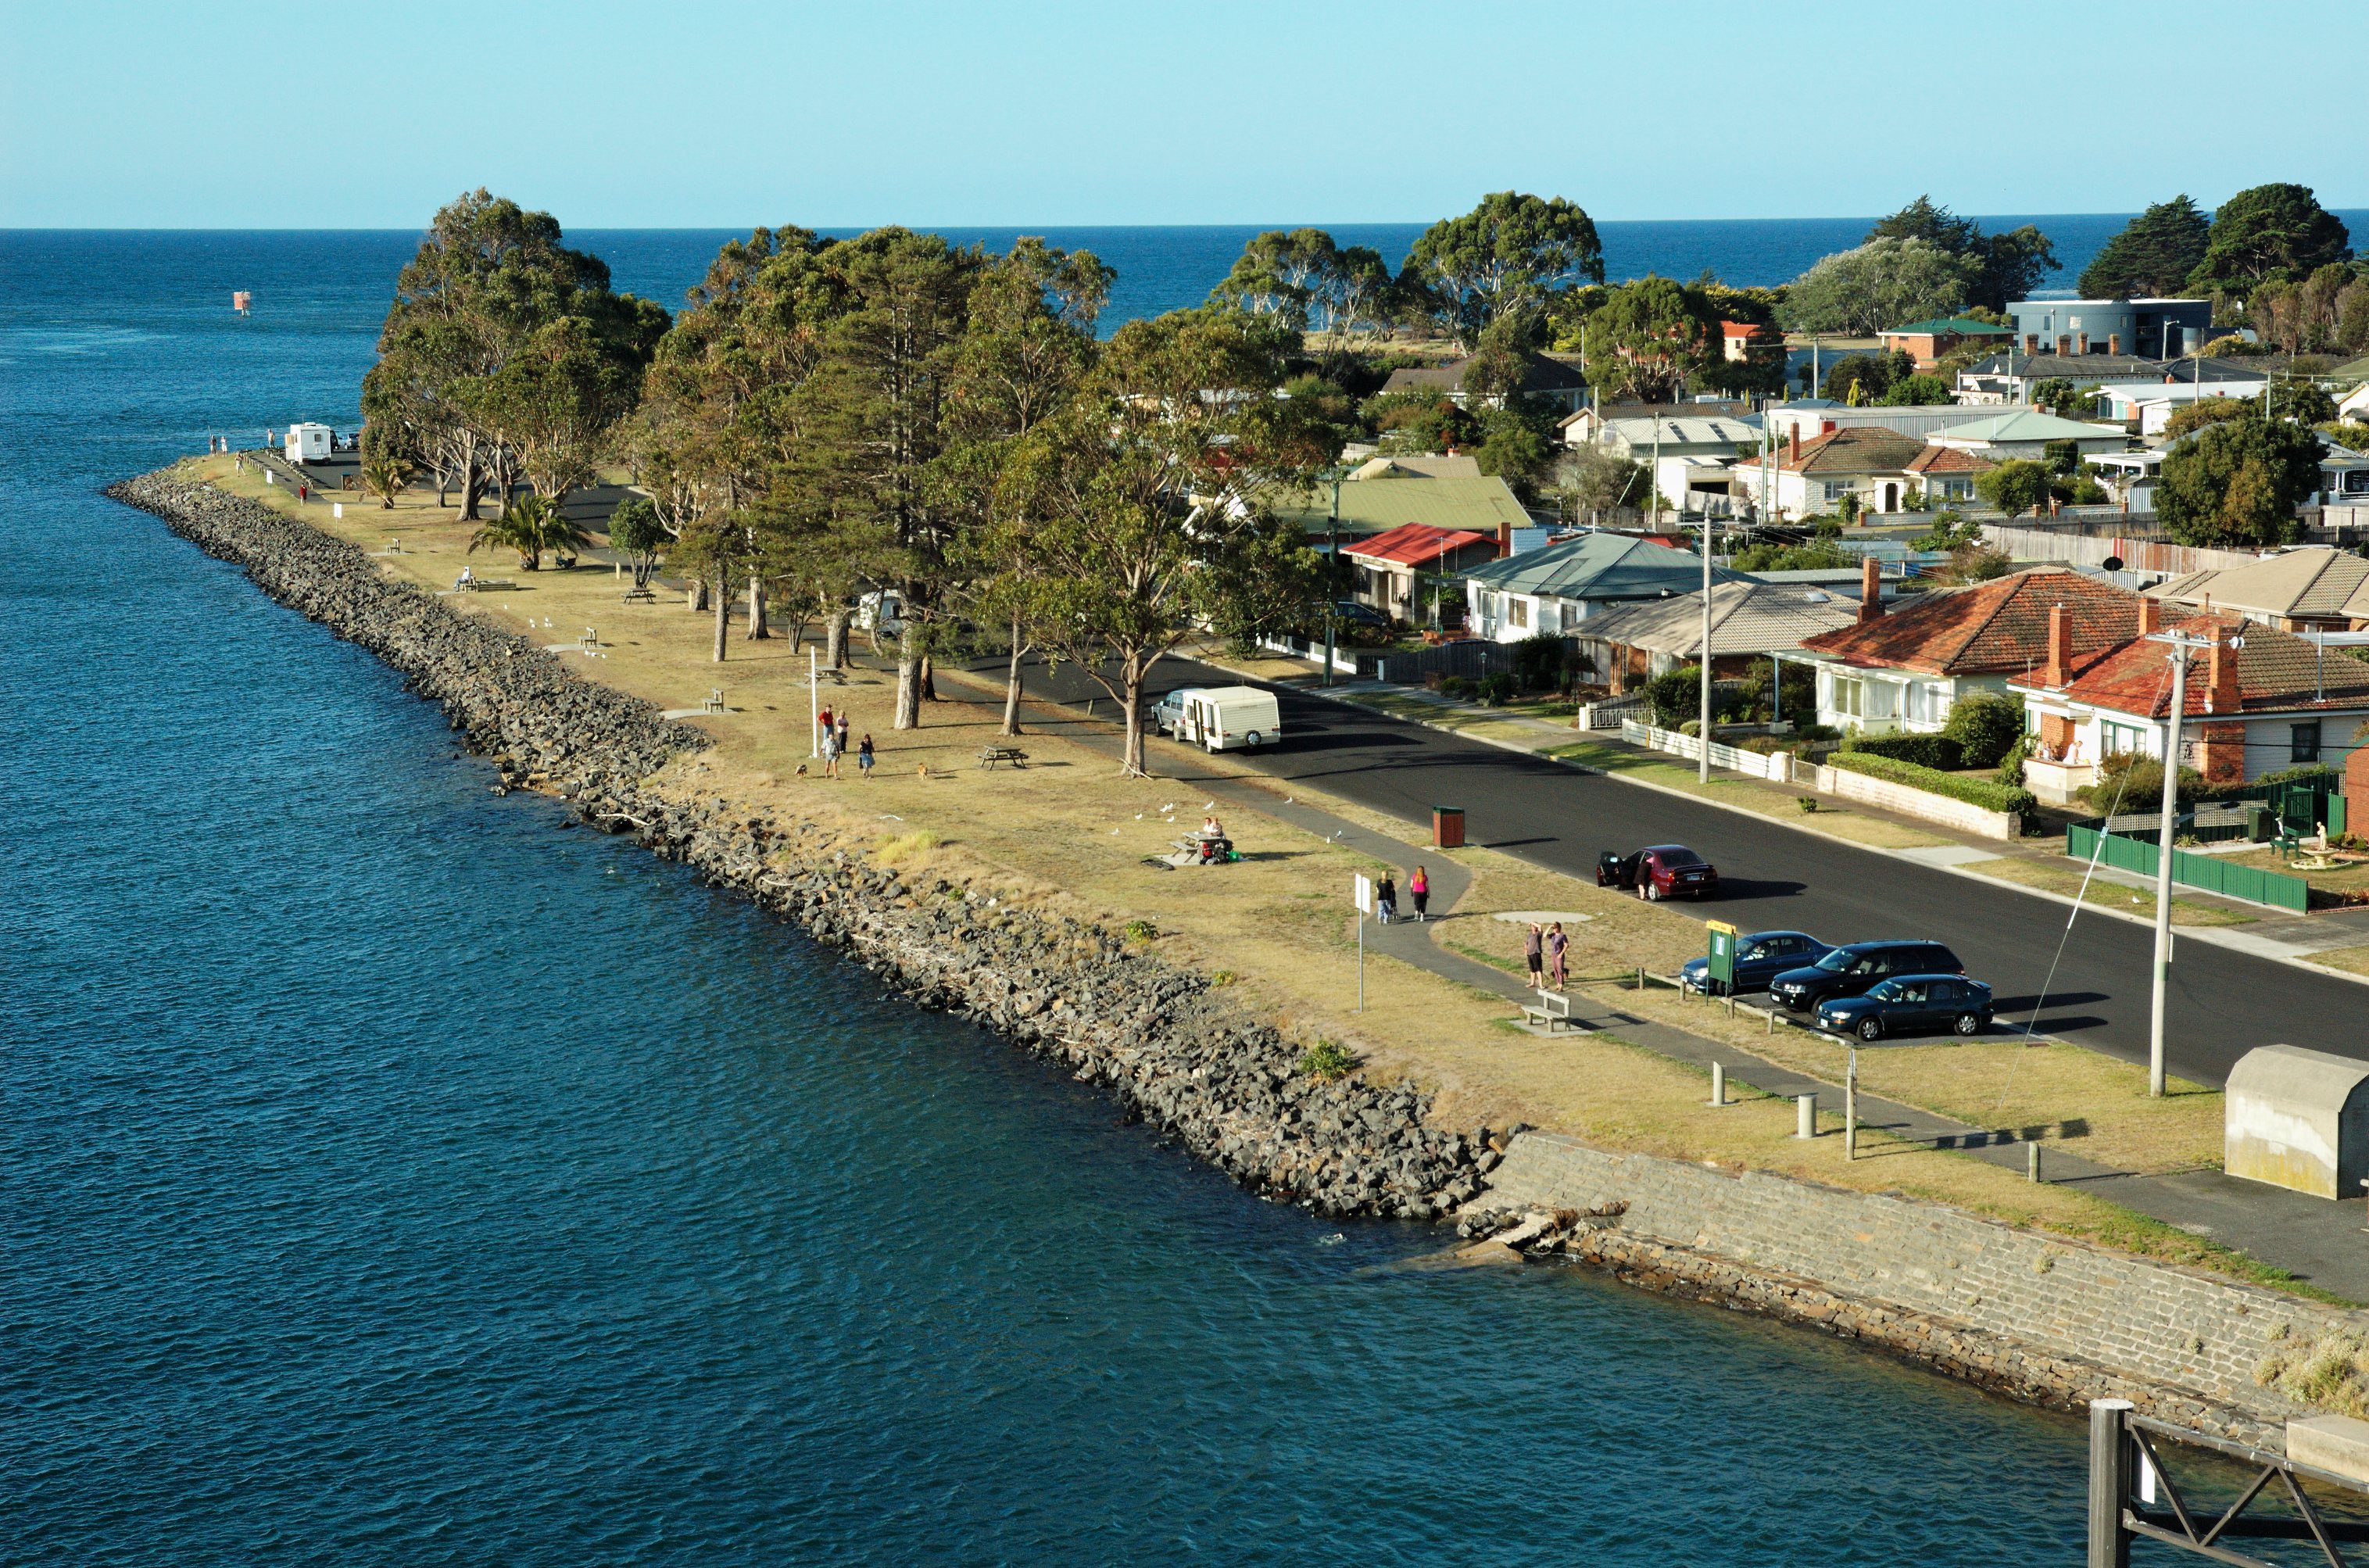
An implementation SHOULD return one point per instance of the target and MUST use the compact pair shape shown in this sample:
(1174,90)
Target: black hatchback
(1856,968)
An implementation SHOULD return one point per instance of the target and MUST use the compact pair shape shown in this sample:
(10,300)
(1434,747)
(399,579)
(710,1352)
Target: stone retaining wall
(1159,1040)
(2047,1319)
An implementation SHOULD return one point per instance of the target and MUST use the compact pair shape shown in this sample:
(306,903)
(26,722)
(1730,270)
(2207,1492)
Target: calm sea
(394,1177)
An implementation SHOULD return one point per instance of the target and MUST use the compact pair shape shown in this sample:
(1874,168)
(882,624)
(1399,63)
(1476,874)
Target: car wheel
(1653,891)
(1252,739)
(1871,1027)
(1969,1024)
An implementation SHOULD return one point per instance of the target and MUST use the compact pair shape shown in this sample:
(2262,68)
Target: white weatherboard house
(2027,433)
(1555,589)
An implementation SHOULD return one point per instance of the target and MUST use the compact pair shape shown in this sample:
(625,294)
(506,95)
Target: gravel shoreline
(1155,1037)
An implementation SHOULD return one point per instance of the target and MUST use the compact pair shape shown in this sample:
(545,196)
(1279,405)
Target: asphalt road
(2223,1003)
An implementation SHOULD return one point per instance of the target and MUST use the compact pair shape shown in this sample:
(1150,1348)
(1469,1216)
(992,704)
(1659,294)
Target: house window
(2304,742)
(1518,612)
(2119,739)
(1850,695)
(1835,490)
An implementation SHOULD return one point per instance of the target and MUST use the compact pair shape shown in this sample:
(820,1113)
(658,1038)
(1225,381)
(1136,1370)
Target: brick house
(1906,668)
(2258,700)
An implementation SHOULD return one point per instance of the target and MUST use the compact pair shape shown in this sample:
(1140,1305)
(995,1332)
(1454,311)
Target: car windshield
(1677,857)
(1834,963)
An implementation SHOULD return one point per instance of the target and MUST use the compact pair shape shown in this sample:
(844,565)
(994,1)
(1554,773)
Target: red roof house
(1388,562)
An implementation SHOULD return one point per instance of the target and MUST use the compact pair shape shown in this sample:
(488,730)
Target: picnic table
(991,753)
(642,595)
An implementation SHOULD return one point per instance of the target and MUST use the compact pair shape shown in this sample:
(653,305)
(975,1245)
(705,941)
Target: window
(2118,739)
(1850,695)
(2304,742)
(1518,612)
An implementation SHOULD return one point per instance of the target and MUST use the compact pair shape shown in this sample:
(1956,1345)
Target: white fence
(1774,766)
(1344,661)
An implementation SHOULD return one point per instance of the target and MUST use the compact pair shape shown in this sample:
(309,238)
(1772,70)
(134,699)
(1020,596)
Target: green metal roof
(1374,506)
(1599,566)
(1964,325)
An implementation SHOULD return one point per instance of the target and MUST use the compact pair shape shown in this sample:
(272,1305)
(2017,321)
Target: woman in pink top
(1419,889)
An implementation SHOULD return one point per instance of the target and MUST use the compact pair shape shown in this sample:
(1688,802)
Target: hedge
(1925,750)
(1988,794)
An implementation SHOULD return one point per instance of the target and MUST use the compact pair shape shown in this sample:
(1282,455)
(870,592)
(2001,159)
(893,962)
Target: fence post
(2109,1463)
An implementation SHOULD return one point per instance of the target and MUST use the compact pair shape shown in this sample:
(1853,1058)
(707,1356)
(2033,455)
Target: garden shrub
(1986,726)
(1938,752)
(1988,794)
(1497,689)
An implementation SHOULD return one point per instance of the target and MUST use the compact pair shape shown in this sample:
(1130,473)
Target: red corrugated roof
(1414,545)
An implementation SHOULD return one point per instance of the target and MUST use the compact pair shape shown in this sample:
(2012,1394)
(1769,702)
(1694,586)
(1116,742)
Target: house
(1556,588)
(1542,376)
(1388,565)
(2009,376)
(1628,645)
(2150,329)
(1368,507)
(1585,427)
(1926,342)
(1946,474)
(2315,587)
(2151,404)
(2257,700)
(1743,342)
(2129,477)
(2354,405)
(1869,462)
(1640,437)
(2029,433)
(1904,669)
(1418,465)
(1810,416)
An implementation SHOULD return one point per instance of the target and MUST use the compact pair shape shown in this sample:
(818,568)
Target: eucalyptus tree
(1153,487)
(1508,255)
(1311,283)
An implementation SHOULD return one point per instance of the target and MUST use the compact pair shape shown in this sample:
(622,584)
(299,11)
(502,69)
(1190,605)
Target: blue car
(1909,1004)
(1760,956)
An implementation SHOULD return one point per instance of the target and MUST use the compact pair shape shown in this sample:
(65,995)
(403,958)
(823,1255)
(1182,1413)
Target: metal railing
(2127,1469)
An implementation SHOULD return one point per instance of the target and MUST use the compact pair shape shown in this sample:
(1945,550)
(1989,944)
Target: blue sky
(724,114)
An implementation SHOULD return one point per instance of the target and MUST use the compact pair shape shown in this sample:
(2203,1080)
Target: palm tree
(530,526)
(384,474)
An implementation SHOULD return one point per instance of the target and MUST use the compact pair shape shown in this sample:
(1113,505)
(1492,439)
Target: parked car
(1349,612)
(1760,956)
(1659,871)
(1909,1004)
(1856,968)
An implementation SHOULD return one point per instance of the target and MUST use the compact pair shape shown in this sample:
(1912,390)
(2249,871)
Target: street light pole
(2179,643)
(1702,770)
(1331,589)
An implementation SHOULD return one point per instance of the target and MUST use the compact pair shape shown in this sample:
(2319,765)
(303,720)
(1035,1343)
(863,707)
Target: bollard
(2110,1483)
(1772,1015)
(1850,1108)
(1718,1084)
(1805,1115)
(2032,1159)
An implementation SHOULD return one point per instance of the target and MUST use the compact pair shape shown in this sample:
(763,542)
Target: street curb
(2201,934)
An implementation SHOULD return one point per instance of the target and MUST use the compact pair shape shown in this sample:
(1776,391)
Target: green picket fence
(2206,872)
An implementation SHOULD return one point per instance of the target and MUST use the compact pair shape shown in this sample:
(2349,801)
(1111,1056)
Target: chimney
(2150,615)
(2058,671)
(2222,695)
(1795,456)
(2113,343)
(2032,342)
(1870,591)
(1504,539)
(2063,343)
(2084,341)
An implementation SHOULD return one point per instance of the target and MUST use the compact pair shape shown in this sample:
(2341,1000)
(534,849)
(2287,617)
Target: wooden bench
(989,756)
(1551,1009)
(715,702)
(640,596)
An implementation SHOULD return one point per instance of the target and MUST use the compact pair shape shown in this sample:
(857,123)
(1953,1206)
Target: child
(863,758)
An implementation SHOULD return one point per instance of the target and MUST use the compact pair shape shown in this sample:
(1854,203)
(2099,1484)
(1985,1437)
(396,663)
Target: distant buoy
(240,300)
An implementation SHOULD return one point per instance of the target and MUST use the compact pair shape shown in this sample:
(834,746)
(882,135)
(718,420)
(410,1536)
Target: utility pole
(1333,588)
(1702,770)
(2179,644)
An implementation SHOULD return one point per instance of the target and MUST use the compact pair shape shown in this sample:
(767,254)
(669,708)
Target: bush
(1938,752)
(1676,695)
(1540,661)
(1984,793)
(2011,768)
(1986,726)
(1326,1061)
(1456,686)
(1497,689)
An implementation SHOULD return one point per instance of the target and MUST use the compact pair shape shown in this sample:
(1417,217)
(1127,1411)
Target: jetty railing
(2128,1470)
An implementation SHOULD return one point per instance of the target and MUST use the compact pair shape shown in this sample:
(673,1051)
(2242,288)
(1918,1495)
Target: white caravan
(1221,719)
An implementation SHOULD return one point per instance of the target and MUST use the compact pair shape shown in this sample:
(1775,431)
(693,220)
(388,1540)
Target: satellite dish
(2114,563)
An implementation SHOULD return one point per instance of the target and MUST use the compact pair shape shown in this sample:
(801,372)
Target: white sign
(1361,892)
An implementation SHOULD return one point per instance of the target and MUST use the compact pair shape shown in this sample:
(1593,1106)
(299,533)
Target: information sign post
(1719,962)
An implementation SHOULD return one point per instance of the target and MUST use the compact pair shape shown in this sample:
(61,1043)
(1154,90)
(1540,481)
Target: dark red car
(1659,871)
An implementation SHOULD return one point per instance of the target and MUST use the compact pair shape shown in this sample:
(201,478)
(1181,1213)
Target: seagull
(890,817)
(1208,806)
(1114,833)
(1139,816)
(1170,806)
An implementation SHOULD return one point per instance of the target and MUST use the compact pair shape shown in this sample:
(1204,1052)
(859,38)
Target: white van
(1223,718)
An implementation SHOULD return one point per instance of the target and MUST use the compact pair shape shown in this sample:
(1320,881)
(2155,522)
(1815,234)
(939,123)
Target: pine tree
(2152,257)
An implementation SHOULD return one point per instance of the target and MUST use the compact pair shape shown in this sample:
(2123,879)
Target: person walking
(1386,898)
(1557,946)
(843,727)
(831,753)
(1419,889)
(863,758)
(822,726)
(1534,952)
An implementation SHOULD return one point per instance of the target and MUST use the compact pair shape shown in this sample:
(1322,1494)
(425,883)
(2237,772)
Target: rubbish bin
(1448,826)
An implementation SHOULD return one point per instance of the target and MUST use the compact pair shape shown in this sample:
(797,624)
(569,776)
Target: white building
(308,442)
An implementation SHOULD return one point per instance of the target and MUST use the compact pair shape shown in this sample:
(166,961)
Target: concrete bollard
(2032,1159)
(1718,1084)
(1805,1115)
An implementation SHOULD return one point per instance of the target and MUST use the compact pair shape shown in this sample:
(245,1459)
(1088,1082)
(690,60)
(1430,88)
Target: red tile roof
(2277,672)
(1854,448)
(1992,628)
(1949,460)
(1414,544)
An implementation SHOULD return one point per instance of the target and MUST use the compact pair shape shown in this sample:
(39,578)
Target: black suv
(1853,969)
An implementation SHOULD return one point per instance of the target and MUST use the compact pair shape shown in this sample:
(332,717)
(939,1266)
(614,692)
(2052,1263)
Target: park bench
(990,754)
(642,595)
(588,642)
(1551,1009)
(715,702)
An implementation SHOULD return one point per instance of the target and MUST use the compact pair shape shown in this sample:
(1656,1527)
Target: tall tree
(2264,234)
(2238,482)
(1313,283)
(1885,283)
(1151,486)
(1507,255)
(2153,254)
(2007,265)
(1647,338)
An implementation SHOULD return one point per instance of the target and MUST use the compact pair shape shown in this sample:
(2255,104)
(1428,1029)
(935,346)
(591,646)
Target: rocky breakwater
(1164,1041)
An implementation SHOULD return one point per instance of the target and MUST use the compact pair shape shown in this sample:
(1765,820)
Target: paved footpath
(2315,1240)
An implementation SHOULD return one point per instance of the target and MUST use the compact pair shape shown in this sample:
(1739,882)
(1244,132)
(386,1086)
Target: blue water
(394,1177)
